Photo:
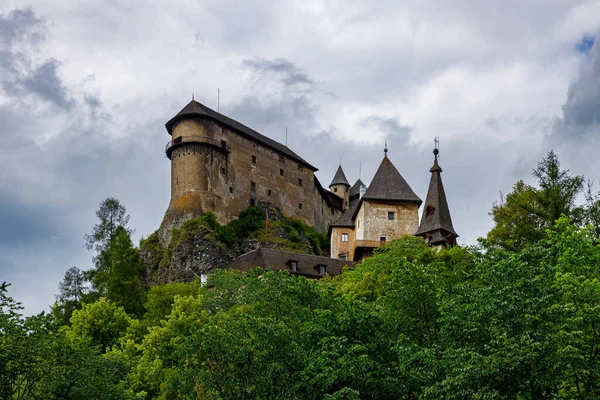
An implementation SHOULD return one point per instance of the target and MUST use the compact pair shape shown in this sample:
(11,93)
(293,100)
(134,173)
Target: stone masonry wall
(206,178)
(372,220)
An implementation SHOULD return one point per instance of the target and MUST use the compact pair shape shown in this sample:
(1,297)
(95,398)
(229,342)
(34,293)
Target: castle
(223,166)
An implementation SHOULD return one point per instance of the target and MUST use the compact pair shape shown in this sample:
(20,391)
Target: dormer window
(321,269)
(430,210)
(293,265)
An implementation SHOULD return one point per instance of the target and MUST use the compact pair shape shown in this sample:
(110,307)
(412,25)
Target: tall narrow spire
(436,223)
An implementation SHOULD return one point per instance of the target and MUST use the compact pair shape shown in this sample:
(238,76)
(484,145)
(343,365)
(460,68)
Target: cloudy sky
(86,87)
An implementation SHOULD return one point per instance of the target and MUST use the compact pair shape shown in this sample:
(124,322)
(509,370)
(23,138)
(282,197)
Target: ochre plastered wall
(338,247)
(343,192)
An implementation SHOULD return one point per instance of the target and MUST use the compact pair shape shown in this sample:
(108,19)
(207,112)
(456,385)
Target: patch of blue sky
(585,44)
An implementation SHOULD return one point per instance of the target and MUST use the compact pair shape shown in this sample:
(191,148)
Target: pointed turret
(339,178)
(389,185)
(340,187)
(436,223)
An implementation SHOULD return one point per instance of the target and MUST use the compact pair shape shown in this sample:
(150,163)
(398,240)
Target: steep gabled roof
(436,213)
(198,110)
(278,260)
(347,218)
(355,189)
(339,178)
(331,199)
(389,185)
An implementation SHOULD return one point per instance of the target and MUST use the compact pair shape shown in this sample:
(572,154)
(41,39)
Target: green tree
(111,215)
(71,291)
(101,323)
(528,211)
(122,267)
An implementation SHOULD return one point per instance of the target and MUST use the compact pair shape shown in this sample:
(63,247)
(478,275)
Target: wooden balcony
(369,243)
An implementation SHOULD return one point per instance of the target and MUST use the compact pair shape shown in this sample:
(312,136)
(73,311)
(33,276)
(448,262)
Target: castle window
(281,172)
(281,159)
(223,171)
(358,224)
(430,210)
(230,189)
(300,182)
(342,257)
(382,239)
(269,192)
(344,237)
(253,186)
(223,144)
(300,206)
(252,202)
(254,160)
(320,269)
(292,265)
(335,190)
(391,215)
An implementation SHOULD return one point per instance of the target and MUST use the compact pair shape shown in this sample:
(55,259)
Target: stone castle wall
(206,177)
(372,220)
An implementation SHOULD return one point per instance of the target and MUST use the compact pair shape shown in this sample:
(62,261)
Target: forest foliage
(502,319)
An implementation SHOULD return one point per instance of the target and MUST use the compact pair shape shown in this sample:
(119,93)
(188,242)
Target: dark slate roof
(198,110)
(436,197)
(339,178)
(347,218)
(355,189)
(389,185)
(331,199)
(278,259)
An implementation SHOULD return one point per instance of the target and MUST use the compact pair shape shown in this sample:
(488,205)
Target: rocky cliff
(201,244)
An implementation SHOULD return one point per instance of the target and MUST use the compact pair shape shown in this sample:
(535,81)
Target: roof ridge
(197,109)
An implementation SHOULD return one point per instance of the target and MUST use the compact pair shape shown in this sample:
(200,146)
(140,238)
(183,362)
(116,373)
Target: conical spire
(339,178)
(436,223)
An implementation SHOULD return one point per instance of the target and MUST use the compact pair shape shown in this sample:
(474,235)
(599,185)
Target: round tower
(340,187)
(194,152)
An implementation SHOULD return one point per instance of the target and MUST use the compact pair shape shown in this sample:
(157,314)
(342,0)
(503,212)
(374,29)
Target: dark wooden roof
(355,189)
(198,110)
(331,199)
(389,185)
(339,178)
(347,218)
(439,219)
(279,260)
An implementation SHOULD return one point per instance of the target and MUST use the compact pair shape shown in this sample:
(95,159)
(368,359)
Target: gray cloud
(19,25)
(44,82)
(389,125)
(581,111)
(20,74)
(283,70)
